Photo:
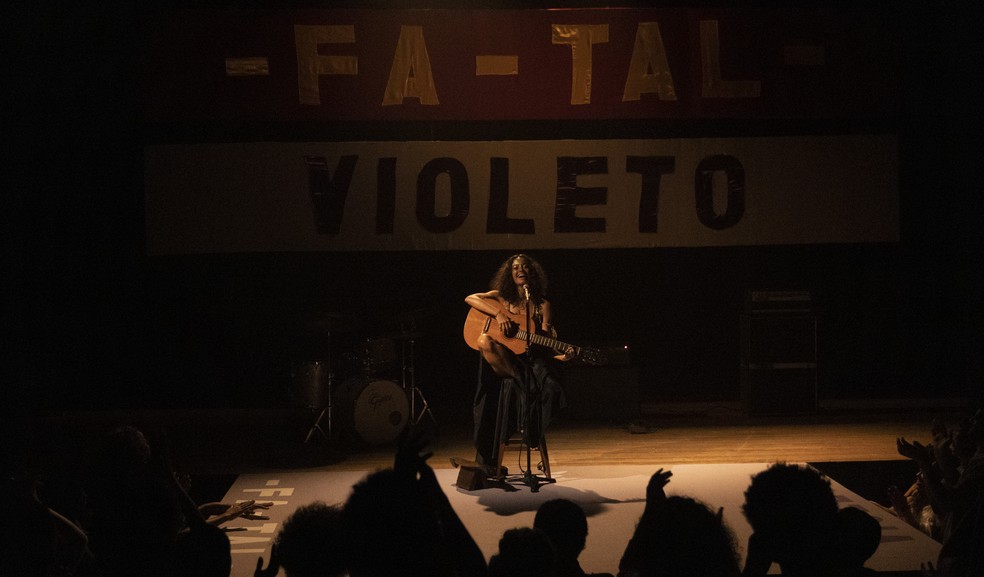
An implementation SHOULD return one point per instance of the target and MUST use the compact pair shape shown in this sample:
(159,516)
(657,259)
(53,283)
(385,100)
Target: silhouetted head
(793,509)
(311,542)
(392,529)
(860,535)
(203,551)
(565,523)
(523,552)
(686,538)
(124,451)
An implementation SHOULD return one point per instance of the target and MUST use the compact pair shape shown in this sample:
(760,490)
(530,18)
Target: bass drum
(372,410)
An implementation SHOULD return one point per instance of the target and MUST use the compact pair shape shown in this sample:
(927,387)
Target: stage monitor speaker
(608,392)
(779,363)
(471,478)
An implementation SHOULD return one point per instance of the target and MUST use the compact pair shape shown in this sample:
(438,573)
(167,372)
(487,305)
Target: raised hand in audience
(219,513)
(655,490)
(635,558)
(411,462)
(678,536)
(272,568)
(405,510)
(921,454)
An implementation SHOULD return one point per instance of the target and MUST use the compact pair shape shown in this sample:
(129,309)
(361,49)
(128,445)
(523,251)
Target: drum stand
(326,414)
(411,389)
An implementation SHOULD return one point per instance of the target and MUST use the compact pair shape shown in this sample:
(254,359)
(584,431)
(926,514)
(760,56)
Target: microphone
(526,289)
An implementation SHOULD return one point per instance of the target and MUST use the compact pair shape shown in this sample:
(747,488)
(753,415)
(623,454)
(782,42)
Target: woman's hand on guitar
(505,323)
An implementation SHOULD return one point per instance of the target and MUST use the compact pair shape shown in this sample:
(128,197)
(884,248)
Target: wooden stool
(515,439)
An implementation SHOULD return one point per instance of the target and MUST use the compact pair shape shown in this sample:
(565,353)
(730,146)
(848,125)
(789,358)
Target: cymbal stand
(326,411)
(411,389)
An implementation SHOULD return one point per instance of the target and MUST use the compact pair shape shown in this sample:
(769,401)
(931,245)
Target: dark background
(93,322)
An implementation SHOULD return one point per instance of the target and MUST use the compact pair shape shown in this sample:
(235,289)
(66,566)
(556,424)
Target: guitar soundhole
(511,330)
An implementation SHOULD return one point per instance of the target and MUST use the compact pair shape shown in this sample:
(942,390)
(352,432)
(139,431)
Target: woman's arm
(547,327)
(487,302)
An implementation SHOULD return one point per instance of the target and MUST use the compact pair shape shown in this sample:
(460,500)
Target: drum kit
(364,388)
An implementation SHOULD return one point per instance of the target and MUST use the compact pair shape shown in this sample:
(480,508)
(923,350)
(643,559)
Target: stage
(712,449)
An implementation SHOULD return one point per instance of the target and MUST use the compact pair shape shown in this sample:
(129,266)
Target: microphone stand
(528,475)
(529,405)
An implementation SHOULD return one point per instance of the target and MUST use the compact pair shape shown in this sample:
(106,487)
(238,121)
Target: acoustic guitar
(478,323)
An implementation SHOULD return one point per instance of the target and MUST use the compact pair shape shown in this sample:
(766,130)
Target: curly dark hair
(565,522)
(536,279)
(523,552)
(311,542)
(684,537)
(789,501)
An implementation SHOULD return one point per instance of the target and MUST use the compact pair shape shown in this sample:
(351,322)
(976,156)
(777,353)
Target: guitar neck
(478,323)
(545,341)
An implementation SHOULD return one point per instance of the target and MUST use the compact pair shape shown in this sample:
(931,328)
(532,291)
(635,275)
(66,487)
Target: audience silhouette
(134,516)
(312,543)
(859,538)
(946,498)
(796,523)
(34,539)
(566,525)
(524,552)
(678,536)
(405,508)
(138,519)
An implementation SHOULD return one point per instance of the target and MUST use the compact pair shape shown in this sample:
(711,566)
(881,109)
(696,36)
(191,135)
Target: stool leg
(544,457)
(501,425)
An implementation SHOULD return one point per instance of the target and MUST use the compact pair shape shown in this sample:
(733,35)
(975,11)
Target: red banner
(433,65)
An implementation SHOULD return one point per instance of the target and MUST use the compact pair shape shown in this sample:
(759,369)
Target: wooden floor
(240,441)
(694,442)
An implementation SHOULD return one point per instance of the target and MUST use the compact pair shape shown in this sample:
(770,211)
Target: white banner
(272,196)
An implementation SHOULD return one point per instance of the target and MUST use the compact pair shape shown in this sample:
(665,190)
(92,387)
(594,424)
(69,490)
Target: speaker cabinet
(779,363)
